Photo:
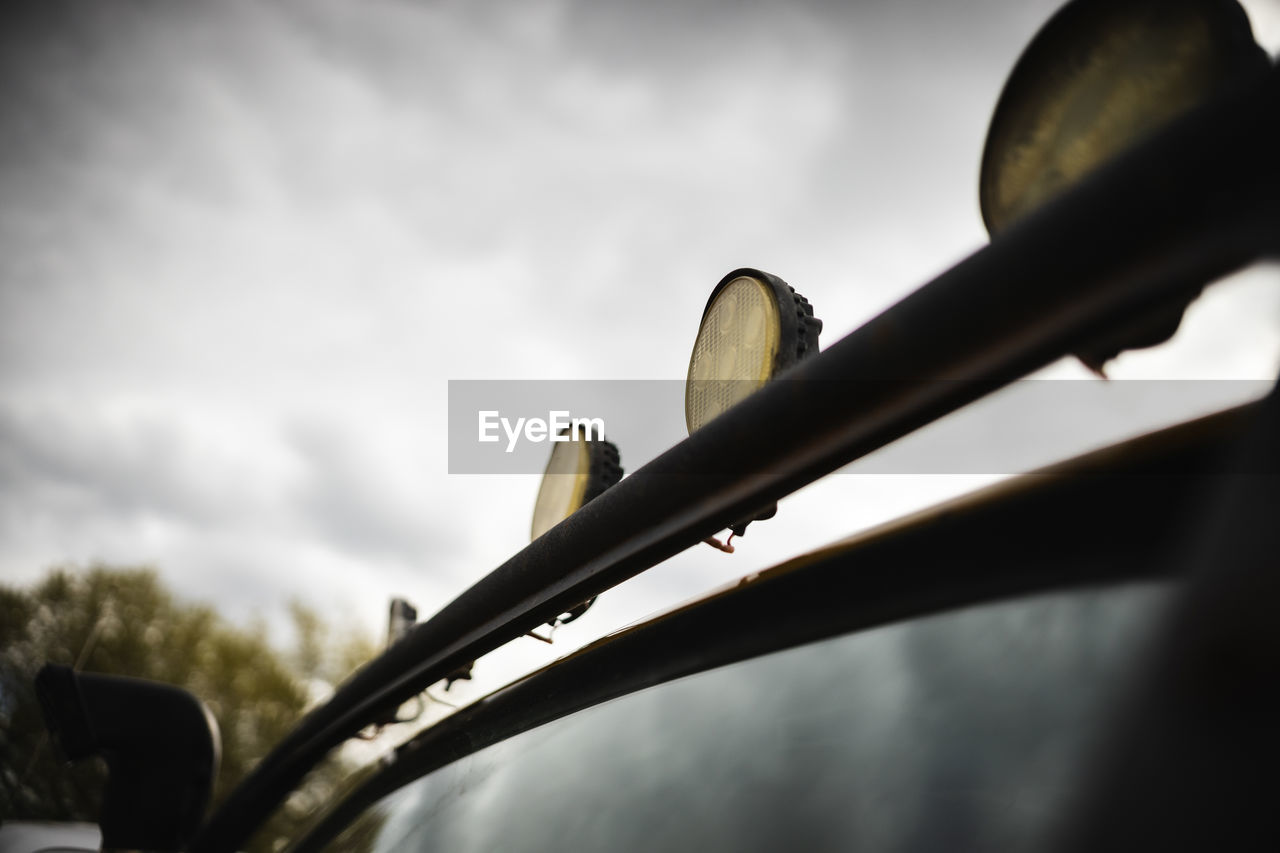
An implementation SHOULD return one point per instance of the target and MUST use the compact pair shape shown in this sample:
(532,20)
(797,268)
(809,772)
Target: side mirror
(160,743)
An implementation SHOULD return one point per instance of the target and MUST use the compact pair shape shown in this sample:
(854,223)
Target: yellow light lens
(1091,86)
(735,351)
(564,484)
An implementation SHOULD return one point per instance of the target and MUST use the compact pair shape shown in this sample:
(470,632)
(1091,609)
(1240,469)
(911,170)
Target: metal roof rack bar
(1194,203)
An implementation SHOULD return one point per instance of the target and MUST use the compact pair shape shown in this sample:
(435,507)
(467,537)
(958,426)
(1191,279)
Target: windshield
(965,731)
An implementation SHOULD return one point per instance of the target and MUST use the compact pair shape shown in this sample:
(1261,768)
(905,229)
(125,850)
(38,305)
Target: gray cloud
(96,463)
(352,497)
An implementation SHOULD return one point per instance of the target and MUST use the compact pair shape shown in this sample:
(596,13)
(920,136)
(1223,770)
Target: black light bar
(1194,203)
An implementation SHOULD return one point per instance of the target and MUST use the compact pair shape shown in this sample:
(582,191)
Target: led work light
(1099,77)
(755,326)
(580,469)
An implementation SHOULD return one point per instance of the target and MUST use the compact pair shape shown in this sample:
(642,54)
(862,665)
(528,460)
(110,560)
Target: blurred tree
(124,622)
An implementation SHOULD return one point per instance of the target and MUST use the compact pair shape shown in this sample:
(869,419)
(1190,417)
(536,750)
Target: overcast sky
(245,245)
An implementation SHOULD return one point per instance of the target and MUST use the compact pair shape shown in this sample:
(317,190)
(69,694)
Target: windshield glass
(964,731)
